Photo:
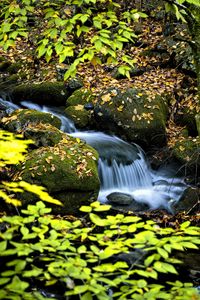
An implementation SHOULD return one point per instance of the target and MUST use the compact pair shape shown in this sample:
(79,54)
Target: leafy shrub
(74,31)
(82,258)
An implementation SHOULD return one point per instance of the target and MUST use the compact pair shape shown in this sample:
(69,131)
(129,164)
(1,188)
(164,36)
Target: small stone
(120,198)
(89,106)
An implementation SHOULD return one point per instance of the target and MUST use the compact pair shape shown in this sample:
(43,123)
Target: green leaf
(185,225)
(33,273)
(149,260)
(85,209)
(189,245)
(102,208)
(4,281)
(17,285)
(163,253)
(164,267)
(86,296)
(98,221)
(3,246)
(24,231)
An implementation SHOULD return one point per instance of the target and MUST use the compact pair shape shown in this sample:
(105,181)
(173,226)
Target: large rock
(120,198)
(78,105)
(197,119)
(43,134)
(21,118)
(49,93)
(187,152)
(125,202)
(69,166)
(186,117)
(133,115)
(189,201)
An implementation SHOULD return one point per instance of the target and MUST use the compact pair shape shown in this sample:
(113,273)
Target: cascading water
(122,167)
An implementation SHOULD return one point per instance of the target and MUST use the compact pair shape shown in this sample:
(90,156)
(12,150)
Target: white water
(123,167)
(67,124)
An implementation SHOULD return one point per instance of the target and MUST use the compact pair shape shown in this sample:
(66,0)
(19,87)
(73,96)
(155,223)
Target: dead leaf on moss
(79,107)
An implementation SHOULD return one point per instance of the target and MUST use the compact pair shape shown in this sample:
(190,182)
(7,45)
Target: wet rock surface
(126,202)
(189,201)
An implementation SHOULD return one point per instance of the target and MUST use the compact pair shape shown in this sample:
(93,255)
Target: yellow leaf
(181,148)
(79,107)
(120,108)
(133,118)
(106,98)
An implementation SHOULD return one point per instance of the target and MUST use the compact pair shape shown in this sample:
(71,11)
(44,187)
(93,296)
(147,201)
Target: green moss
(186,152)
(69,165)
(15,67)
(72,201)
(4,65)
(22,117)
(197,118)
(79,115)
(43,134)
(51,93)
(133,114)
(186,117)
(80,96)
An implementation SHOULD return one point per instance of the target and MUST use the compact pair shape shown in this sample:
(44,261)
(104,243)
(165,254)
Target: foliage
(181,8)
(12,150)
(76,258)
(74,31)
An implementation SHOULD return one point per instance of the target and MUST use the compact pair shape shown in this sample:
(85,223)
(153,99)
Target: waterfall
(122,167)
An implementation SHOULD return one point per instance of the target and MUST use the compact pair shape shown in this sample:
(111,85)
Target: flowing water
(122,167)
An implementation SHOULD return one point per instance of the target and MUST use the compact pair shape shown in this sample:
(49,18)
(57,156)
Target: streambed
(126,176)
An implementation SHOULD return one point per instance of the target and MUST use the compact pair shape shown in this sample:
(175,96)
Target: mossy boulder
(67,166)
(73,200)
(43,134)
(21,118)
(4,64)
(189,201)
(15,67)
(133,115)
(197,118)
(80,96)
(77,107)
(49,93)
(186,117)
(78,114)
(187,152)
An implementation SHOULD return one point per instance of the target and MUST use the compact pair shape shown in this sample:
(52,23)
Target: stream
(123,168)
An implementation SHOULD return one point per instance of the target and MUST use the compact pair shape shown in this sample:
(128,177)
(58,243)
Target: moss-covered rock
(4,64)
(188,202)
(187,152)
(70,165)
(79,115)
(77,107)
(133,115)
(14,67)
(80,96)
(197,118)
(21,118)
(49,93)
(73,200)
(43,134)
(186,117)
